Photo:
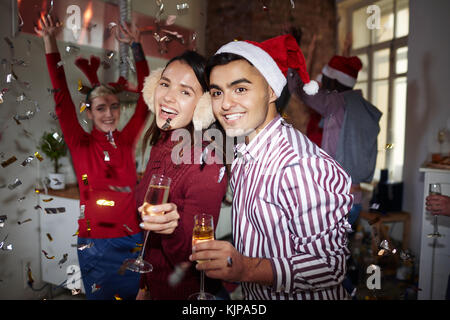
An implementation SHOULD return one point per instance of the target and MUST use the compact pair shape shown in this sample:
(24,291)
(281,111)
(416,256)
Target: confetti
(72,49)
(37,207)
(81,247)
(9,161)
(29,276)
(128,228)
(88,226)
(46,255)
(15,184)
(103,202)
(10,77)
(84,178)
(60,64)
(21,199)
(53,115)
(38,156)
(24,221)
(126,189)
(182,8)
(117,297)
(106,155)
(166,125)
(57,137)
(3,219)
(292,4)
(110,138)
(95,287)
(27,116)
(49,236)
(55,210)
(112,25)
(47,200)
(63,260)
(27,161)
(9,42)
(82,208)
(56,182)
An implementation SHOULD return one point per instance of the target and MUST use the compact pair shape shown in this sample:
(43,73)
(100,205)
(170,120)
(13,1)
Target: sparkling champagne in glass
(203,231)
(435,189)
(157,193)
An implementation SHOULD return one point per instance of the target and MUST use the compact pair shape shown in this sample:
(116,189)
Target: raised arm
(137,121)
(64,106)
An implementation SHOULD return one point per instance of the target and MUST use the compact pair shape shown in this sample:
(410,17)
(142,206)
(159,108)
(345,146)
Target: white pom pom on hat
(273,58)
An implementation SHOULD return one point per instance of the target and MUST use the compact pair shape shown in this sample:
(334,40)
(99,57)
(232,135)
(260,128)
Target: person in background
(104,162)
(178,97)
(290,199)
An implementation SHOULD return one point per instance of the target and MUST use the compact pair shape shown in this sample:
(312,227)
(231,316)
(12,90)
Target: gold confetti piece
(103,202)
(36,190)
(49,236)
(117,297)
(47,200)
(76,233)
(9,161)
(38,156)
(389,146)
(136,249)
(83,106)
(29,276)
(88,223)
(84,178)
(46,255)
(24,221)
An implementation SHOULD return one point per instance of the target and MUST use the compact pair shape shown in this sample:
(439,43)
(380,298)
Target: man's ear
(272,96)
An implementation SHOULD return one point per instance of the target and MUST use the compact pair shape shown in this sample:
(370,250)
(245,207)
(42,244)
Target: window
(384,54)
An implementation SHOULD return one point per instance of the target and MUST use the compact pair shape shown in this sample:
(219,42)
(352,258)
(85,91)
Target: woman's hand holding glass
(162,219)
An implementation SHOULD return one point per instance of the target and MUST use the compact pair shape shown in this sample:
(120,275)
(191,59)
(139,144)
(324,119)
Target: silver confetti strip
(15,184)
(81,247)
(82,209)
(106,156)
(182,8)
(24,221)
(126,189)
(27,116)
(72,49)
(3,219)
(63,260)
(55,210)
(128,228)
(27,161)
(57,137)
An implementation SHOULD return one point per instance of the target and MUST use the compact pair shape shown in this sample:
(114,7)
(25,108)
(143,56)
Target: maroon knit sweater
(194,190)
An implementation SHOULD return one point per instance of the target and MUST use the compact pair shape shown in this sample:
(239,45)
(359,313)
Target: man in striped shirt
(291,199)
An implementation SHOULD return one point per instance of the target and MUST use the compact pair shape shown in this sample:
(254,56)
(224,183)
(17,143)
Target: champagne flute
(435,189)
(203,231)
(157,193)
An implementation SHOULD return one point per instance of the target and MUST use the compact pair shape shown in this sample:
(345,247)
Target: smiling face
(176,95)
(242,100)
(105,112)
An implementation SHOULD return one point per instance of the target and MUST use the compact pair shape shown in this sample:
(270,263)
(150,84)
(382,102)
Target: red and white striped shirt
(290,205)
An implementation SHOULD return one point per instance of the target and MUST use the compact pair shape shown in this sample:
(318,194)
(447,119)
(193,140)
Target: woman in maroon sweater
(178,93)
(104,163)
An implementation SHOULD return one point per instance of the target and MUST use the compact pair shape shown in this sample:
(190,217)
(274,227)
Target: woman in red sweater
(179,93)
(104,163)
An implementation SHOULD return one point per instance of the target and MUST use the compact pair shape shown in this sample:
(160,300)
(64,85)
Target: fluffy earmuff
(203,114)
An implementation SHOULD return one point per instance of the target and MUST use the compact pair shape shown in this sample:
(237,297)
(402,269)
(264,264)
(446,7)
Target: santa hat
(343,69)
(273,58)
(203,114)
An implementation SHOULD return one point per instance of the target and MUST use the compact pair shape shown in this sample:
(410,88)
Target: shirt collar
(261,142)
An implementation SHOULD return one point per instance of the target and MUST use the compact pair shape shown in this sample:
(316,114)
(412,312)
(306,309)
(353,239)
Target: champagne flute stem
(202,285)
(141,255)
(435,224)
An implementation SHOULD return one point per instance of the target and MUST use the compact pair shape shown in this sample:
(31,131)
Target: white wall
(13,142)
(428,101)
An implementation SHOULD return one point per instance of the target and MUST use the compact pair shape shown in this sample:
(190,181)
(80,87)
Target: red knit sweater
(194,190)
(88,157)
